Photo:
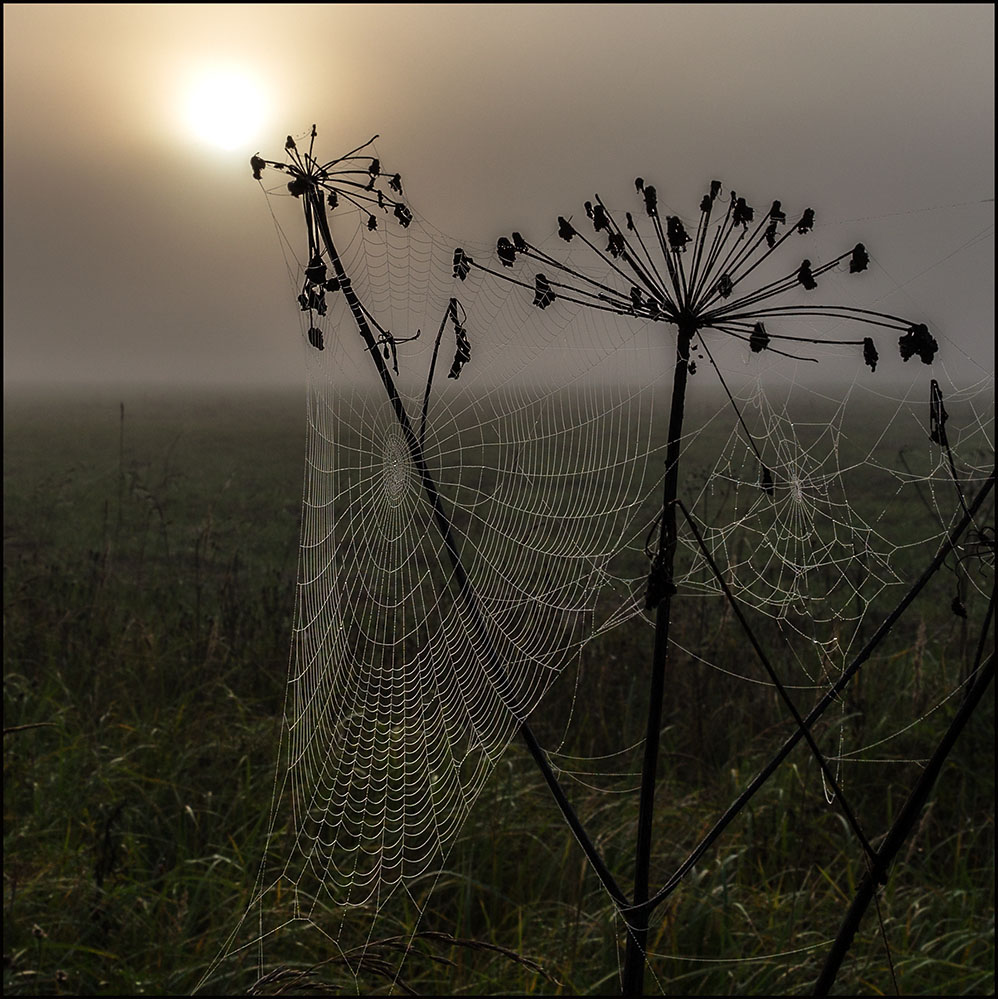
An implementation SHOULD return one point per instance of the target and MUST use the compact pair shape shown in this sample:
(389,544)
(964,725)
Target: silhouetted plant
(698,283)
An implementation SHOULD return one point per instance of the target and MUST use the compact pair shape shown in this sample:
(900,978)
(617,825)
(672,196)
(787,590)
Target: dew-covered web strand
(803,528)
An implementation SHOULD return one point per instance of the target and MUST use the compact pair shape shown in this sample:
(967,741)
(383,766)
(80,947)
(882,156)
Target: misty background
(135,254)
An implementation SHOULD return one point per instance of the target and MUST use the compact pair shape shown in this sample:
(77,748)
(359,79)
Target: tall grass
(148,587)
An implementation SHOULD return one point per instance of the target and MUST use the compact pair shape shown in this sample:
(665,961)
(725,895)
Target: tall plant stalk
(661,588)
(649,280)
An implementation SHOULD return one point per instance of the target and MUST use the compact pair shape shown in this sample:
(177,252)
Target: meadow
(150,557)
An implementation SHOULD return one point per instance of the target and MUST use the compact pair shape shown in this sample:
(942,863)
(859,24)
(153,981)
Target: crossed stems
(690,303)
(694,299)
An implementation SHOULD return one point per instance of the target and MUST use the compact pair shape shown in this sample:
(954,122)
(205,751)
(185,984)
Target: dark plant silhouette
(700,285)
(351,179)
(703,287)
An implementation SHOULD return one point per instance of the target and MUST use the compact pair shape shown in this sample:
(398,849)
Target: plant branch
(829,698)
(901,829)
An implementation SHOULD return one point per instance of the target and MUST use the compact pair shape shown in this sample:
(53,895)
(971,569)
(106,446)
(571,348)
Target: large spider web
(407,685)
(409,678)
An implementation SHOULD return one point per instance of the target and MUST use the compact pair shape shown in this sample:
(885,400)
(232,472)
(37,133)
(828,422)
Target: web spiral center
(396,468)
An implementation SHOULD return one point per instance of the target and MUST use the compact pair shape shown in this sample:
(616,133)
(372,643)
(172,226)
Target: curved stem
(466,592)
(449,312)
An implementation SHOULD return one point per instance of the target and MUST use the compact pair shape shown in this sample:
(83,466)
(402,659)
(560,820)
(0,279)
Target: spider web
(406,685)
(798,547)
(795,547)
(409,678)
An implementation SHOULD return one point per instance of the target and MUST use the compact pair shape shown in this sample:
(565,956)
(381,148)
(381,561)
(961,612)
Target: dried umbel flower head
(353,180)
(702,282)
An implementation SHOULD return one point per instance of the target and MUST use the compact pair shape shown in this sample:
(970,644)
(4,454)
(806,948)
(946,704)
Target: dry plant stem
(901,829)
(13,729)
(466,591)
(449,312)
(780,688)
(829,698)
(663,566)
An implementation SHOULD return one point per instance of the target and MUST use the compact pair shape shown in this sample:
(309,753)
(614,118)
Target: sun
(225,107)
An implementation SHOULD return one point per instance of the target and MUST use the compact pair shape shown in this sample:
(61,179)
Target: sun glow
(225,107)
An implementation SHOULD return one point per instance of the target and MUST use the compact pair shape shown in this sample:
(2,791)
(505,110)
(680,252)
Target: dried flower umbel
(700,282)
(355,179)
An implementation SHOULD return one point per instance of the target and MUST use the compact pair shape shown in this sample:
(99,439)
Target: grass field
(149,580)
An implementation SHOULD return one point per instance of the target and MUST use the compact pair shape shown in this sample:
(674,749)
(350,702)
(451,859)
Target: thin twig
(829,698)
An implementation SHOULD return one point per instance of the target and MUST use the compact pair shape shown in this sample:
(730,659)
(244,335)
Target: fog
(135,254)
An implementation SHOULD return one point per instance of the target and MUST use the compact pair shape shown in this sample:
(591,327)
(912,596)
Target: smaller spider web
(790,557)
(793,544)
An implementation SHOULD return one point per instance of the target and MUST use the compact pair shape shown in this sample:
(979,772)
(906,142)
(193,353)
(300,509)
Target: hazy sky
(135,250)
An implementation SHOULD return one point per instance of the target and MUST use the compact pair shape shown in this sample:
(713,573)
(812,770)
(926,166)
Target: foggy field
(499,501)
(150,560)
